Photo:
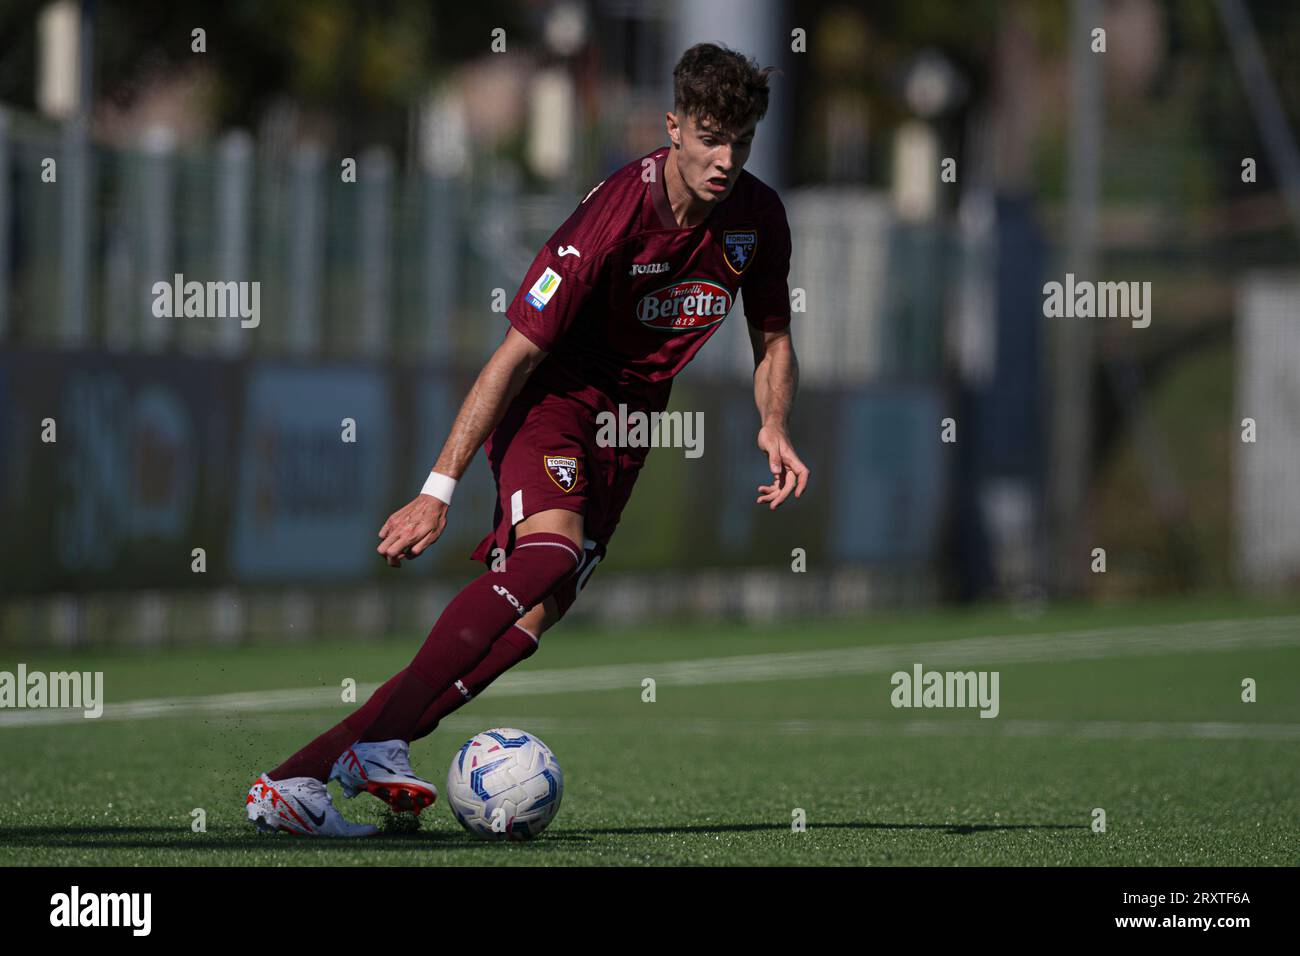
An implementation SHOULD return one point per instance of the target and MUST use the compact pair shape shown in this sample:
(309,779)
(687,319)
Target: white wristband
(439,486)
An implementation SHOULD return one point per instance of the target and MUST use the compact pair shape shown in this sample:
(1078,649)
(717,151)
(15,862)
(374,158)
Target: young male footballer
(617,303)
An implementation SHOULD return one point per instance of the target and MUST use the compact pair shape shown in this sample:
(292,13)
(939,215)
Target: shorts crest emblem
(562,471)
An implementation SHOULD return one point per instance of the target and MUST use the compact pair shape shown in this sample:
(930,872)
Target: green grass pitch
(713,770)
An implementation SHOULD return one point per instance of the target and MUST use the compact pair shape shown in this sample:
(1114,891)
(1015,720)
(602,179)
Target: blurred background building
(940,162)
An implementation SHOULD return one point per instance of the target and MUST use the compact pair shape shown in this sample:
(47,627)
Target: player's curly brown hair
(713,83)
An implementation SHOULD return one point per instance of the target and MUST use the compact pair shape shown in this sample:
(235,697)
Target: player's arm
(776,379)
(495,388)
(549,299)
(410,530)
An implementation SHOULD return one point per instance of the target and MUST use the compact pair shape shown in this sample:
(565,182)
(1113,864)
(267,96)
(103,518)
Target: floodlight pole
(1072,339)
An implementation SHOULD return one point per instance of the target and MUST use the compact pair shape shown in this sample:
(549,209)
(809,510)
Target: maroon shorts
(544,455)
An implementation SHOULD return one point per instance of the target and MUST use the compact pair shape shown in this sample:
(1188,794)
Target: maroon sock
(476,617)
(507,651)
(316,759)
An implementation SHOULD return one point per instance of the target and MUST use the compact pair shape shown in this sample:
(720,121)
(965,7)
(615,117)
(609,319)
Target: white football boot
(384,769)
(300,805)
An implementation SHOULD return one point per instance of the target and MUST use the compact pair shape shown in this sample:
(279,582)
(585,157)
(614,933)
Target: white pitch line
(978,653)
(922,727)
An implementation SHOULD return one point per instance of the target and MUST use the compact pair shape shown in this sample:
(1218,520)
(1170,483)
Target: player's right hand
(410,530)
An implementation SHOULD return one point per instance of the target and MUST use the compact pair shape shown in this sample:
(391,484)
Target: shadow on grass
(241,840)
(952,828)
(421,841)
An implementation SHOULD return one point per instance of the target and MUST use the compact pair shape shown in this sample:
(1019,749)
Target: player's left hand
(409,531)
(788,472)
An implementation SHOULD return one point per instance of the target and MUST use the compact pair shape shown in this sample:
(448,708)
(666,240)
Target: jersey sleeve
(560,281)
(765,285)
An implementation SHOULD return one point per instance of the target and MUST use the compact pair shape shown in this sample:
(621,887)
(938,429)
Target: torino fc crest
(738,248)
(563,471)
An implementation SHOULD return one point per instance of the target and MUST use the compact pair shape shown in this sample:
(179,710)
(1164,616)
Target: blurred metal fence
(379,299)
(393,265)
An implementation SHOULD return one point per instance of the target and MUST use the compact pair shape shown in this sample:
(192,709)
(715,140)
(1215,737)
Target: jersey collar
(659,193)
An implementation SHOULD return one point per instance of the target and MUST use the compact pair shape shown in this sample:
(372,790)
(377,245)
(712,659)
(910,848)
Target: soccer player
(618,301)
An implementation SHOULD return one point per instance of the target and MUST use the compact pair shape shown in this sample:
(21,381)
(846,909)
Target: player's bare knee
(534,622)
(541,617)
(551,614)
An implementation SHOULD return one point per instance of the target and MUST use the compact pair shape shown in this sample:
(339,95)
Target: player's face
(711,159)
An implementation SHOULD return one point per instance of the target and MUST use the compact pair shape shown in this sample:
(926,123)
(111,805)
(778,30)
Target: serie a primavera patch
(543,289)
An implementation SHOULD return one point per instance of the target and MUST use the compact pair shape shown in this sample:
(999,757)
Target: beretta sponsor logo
(689,304)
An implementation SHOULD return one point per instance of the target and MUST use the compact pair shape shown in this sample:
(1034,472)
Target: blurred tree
(358,67)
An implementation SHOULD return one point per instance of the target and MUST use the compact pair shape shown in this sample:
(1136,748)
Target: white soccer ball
(504,784)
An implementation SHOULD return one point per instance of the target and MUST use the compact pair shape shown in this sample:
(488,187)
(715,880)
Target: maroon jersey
(622,297)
